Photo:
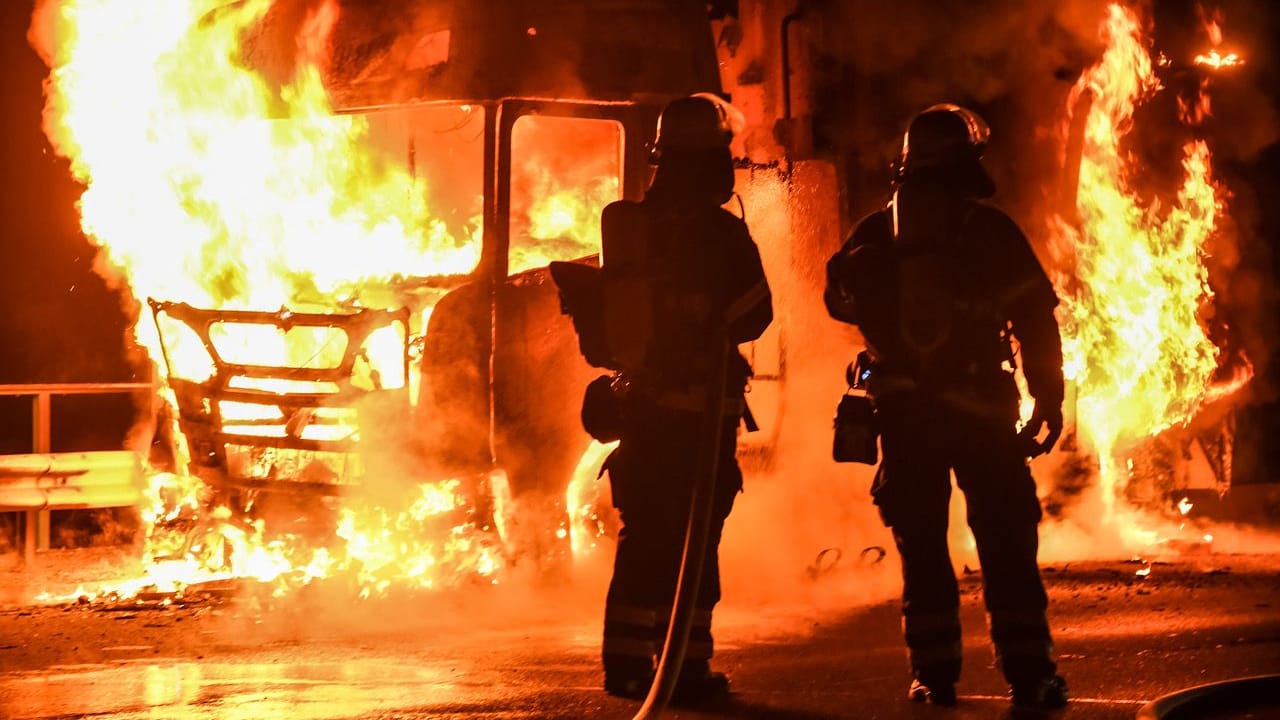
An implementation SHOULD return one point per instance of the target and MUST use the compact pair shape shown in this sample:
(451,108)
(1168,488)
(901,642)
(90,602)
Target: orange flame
(1217,61)
(1132,338)
(195,192)
(1213,30)
(1195,112)
(206,183)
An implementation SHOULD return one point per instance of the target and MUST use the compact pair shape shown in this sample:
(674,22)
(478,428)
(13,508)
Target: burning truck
(339,216)
(335,219)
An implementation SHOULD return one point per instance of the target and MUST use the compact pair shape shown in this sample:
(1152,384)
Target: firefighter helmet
(695,123)
(946,137)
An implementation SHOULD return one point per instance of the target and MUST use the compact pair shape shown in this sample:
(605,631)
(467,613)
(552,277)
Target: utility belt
(608,397)
(689,394)
(990,395)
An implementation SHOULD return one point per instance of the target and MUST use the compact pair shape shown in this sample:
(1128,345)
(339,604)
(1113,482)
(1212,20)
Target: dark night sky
(59,321)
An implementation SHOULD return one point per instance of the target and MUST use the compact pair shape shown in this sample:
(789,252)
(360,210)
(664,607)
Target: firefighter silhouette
(941,285)
(678,274)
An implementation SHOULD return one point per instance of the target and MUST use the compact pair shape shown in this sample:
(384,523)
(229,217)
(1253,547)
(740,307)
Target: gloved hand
(1046,416)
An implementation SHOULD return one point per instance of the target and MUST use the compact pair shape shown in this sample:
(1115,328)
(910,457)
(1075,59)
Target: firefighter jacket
(937,285)
(678,278)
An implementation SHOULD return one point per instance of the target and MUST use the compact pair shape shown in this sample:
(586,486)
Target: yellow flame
(381,549)
(1214,59)
(559,220)
(1132,338)
(206,184)
(581,499)
(393,550)
(209,184)
(1217,61)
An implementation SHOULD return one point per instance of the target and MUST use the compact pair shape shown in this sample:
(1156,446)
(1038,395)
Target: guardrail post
(29,537)
(41,443)
(41,432)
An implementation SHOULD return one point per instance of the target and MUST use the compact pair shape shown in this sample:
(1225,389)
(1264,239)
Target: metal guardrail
(37,483)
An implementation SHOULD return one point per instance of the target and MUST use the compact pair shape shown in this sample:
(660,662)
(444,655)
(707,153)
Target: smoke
(1011,61)
(798,531)
(1243,129)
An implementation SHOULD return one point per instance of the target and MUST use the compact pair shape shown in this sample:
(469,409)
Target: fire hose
(707,467)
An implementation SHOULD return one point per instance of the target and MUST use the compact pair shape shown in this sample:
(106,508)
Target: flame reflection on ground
(228,690)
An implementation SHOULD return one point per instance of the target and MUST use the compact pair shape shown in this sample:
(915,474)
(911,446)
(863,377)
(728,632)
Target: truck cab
(518,123)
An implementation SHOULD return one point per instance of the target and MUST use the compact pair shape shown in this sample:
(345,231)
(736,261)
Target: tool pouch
(855,431)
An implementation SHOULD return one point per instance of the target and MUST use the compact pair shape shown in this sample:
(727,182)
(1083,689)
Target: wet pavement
(530,650)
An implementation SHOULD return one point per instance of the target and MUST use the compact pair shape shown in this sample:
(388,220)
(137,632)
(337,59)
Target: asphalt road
(529,650)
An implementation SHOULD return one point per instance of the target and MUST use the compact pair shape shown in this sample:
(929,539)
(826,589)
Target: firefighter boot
(698,684)
(943,694)
(628,677)
(1045,694)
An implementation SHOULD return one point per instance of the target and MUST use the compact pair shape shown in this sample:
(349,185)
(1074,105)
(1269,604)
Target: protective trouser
(923,441)
(652,476)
